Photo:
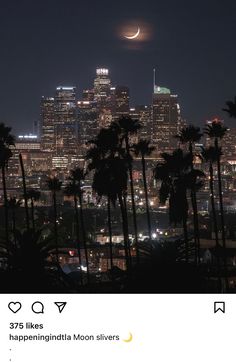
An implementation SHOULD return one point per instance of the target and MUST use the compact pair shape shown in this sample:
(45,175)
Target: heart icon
(14,306)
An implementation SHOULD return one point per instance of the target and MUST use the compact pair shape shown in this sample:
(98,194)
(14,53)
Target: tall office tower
(47,124)
(87,124)
(112,101)
(65,121)
(165,119)
(88,95)
(121,101)
(102,85)
(144,114)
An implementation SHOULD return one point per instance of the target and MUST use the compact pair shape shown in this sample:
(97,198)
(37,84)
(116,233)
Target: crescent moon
(133,36)
(129,339)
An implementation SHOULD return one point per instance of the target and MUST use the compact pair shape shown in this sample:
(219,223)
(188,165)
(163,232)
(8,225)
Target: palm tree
(54,185)
(190,135)
(231,110)
(109,164)
(77,177)
(173,174)
(33,270)
(102,186)
(211,155)
(143,149)
(110,180)
(13,204)
(128,128)
(72,189)
(6,141)
(217,131)
(24,192)
(33,195)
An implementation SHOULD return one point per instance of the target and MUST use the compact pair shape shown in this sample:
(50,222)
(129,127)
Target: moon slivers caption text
(64,337)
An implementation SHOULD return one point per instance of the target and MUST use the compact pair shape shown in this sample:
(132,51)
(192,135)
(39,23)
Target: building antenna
(154,79)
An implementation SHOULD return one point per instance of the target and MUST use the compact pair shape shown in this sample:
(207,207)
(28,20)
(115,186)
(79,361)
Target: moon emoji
(133,36)
(128,339)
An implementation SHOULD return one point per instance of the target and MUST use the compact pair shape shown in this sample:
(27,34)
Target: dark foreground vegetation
(31,257)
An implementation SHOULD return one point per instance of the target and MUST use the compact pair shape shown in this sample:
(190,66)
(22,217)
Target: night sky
(61,42)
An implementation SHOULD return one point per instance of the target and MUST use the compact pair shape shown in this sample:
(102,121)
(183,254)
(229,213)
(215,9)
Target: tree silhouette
(217,131)
(13,204)
(173,173)
(77,177)
(231,110)
(54,185)
(211,155)
(33,195)
(190,135)
(143,149)
(32,268)
(73,188)
(109,163)
(128,128)
(24,192)
(7,140)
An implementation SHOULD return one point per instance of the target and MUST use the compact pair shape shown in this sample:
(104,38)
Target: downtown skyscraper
(65,121)
(166,119)
(59,122)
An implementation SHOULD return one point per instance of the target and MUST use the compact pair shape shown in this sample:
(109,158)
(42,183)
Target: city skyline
(47,45)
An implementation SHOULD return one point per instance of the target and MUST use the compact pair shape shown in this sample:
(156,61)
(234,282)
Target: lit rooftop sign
(65,88)
(102,71)
(28,137)
(161,90)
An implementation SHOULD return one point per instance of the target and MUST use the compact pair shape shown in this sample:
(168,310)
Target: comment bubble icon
(37,307)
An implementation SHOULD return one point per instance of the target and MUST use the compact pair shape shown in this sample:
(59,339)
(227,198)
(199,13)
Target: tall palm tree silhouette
(24,192)
(54,185)
(173,174)
(128,128)
(34,196)
(77,177)
(211,155)
(7,140)
(143,149)
(14,204)
(110,180)
(72,189)
(190,135)
(109,163)
(216,131)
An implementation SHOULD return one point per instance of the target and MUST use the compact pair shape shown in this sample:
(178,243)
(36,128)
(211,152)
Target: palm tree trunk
(196,226)
(146,198)
(213,209)
(5,210)
(77,231)
(127,218)
(32,214)
(55,224)
(14,225)
(195,213)
(222,213)
(110,230)
(24,192)
(125,231)
(84,233)
(132,199)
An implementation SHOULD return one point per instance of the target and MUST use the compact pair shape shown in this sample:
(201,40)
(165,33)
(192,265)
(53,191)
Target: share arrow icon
(60,305)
